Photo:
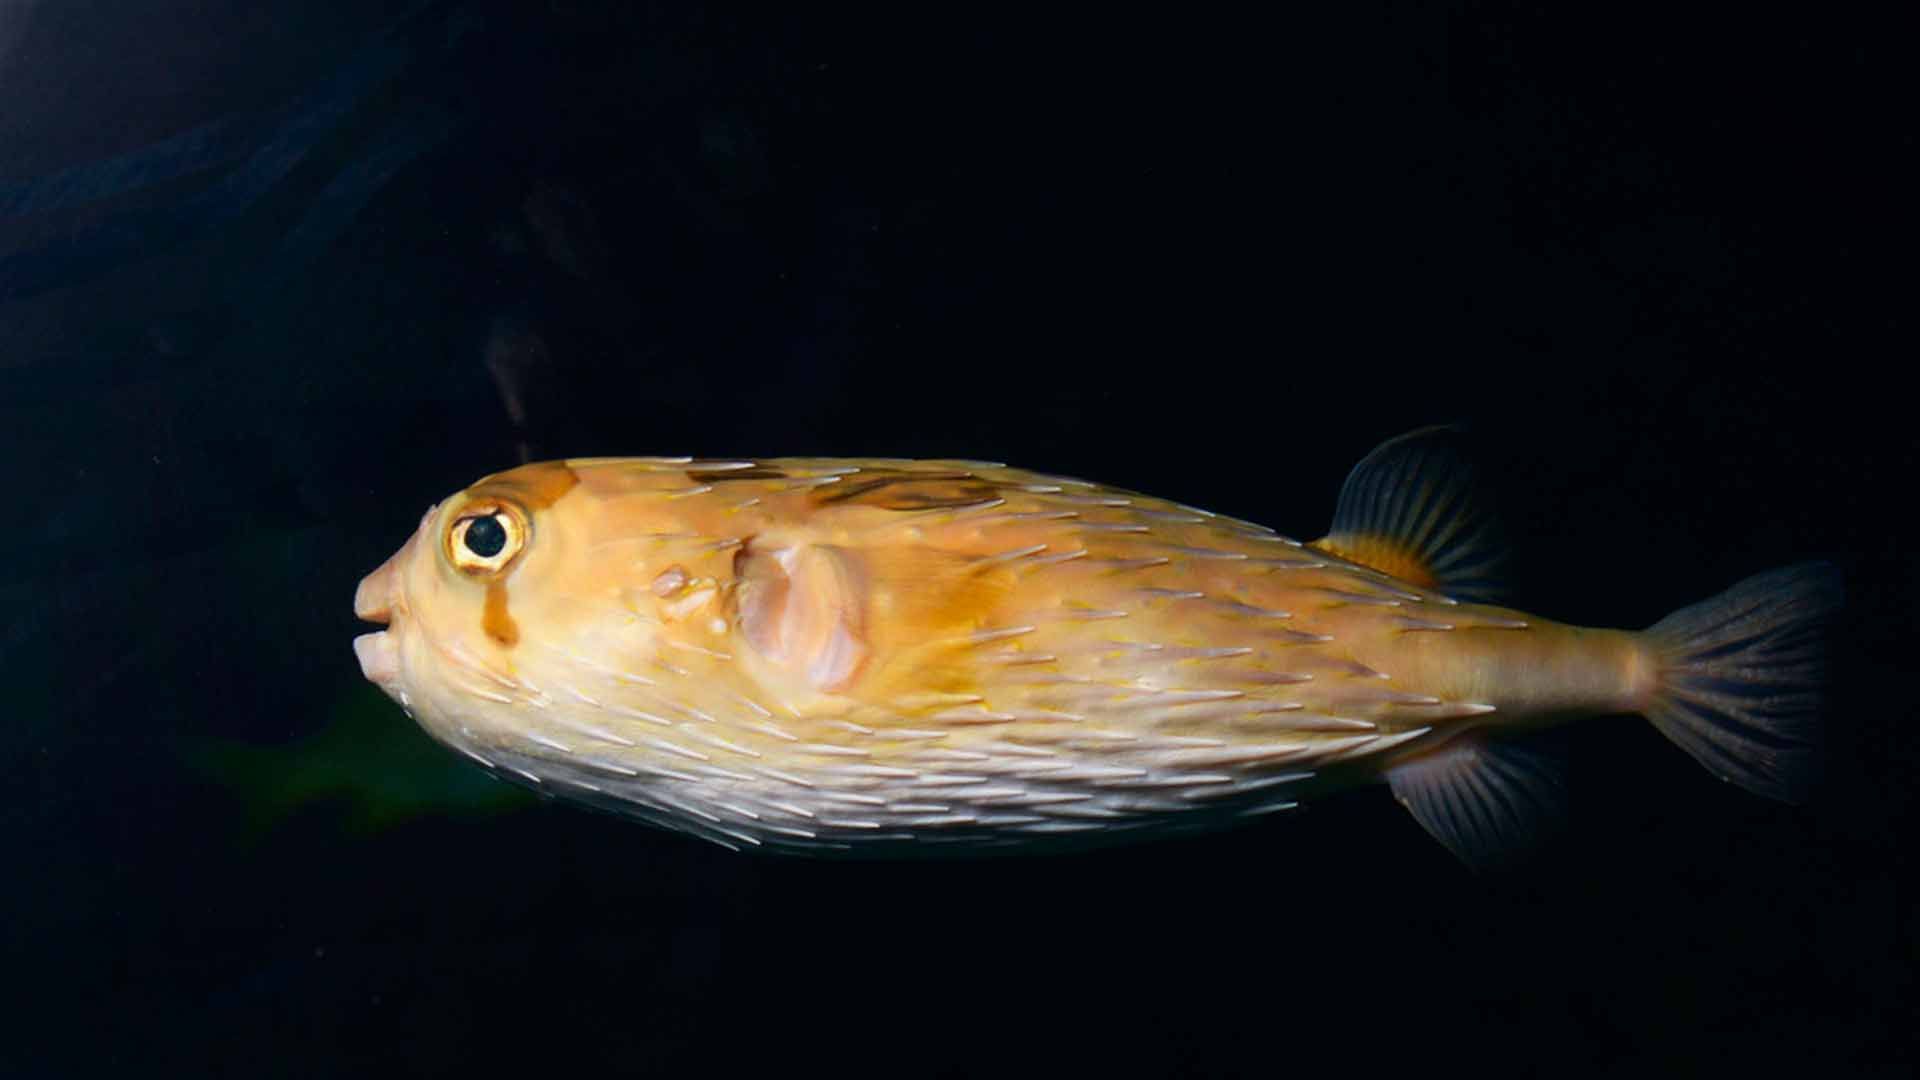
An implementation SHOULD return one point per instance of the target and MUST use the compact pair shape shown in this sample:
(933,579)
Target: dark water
(275,276)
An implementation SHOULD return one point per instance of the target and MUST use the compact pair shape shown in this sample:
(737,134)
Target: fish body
(874,655)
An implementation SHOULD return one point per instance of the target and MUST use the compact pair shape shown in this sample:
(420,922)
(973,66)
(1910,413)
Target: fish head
(582,595)
(492,587)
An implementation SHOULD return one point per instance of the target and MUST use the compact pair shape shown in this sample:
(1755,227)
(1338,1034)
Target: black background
(1659,260)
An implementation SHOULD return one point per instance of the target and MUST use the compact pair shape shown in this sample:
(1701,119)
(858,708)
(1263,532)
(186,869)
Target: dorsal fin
(1412,508)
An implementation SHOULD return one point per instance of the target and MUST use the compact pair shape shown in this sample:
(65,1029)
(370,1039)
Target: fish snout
(379,593)
(373,600)
(381,599)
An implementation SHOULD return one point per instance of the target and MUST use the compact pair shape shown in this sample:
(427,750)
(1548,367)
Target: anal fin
(1489,801)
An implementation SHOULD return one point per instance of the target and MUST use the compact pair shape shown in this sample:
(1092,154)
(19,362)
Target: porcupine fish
(890,655)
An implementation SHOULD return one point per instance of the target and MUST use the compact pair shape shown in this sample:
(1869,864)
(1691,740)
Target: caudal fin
(1740,678)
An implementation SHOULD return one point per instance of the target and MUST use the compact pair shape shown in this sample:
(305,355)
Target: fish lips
(378,599)
(379,652)
(379,656)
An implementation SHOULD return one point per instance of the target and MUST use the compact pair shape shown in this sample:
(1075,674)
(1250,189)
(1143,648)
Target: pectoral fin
(1489,801)
(803,608)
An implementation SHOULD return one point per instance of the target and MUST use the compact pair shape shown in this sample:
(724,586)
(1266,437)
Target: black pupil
(486,536)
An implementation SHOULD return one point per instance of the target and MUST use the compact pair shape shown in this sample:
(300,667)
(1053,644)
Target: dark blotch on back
(712,476)
(913,491)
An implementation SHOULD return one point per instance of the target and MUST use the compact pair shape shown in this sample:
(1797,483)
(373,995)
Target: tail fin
(1740,678)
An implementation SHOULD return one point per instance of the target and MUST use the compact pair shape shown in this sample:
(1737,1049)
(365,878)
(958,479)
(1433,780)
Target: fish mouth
(375,601)
(379,656)
(381,599)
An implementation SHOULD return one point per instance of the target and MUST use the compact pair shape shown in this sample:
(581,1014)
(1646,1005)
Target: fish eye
(484,540)
(485,536)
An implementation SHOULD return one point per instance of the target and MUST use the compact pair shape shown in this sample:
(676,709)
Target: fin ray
(1412,508)
(1488,801)
(1740,678)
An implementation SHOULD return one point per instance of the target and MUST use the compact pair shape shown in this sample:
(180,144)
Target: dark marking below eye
(495,621)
